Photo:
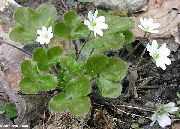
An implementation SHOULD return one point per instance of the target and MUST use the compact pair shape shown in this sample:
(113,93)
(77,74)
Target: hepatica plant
(76,71)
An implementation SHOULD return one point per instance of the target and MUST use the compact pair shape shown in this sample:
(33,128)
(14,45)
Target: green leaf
(109,89)
(86,1)
(118,24)
(106,43)
(79,87)
(71,27)
(70,63)
(115,70)
(30,20)
(47,15)
(47,83)
(28,69)
(45,59)
(40,56)
(21,34)
(59,103)
(42,83)
(80,106)
(54,54)
(129,37)
(9,109)
(29,86)
(96,64)
(27,18)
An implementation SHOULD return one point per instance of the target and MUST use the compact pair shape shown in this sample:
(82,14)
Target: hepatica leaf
(106,43)
(46,58)
(70,63)
(30,20)
(81,87)
(129,37)
(116,69)
(118,24)
(108,88)
(113,69)
(9,109)
(71,27)
(33,81)
(74,99)
(96,64)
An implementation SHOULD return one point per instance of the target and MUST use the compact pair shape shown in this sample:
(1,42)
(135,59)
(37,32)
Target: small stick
(24,51)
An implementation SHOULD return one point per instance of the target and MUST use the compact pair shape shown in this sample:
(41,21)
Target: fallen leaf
(167,15)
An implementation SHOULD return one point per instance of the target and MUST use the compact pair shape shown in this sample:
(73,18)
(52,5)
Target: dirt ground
(144,87)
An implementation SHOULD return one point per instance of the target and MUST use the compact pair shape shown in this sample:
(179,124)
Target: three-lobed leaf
(71,27)
(9,109)
(74,99)
(105,43)
(109,89)
(46,58)
(30,20)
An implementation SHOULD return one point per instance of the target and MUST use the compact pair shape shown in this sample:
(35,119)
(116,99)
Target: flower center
(161,110)
(93,23)
(155,55)
(46,35)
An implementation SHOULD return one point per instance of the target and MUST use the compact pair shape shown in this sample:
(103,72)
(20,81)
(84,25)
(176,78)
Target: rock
(131,5)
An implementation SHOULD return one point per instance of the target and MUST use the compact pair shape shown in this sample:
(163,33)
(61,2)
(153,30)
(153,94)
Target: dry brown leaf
(167,15)
(11,58)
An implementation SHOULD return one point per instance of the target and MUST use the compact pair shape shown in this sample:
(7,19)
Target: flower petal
(90,16)
(164,120)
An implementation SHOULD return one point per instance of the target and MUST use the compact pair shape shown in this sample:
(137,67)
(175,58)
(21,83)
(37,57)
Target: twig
(76,49)
(133,115)
(24,51)
(141,57)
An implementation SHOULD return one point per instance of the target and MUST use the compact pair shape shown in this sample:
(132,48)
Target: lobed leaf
(109,89)
(115,70)
(96,64)
(71,27)
(30,20)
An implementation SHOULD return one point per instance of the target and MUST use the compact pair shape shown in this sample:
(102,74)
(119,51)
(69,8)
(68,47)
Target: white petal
(40,40)
(167,61)
(164,120)
(50,29)
(156,25)
(102,26)
(86,22)
(100,19)
(154,44)
(99,32)
(149,22)
(170,107)
(163,50)
(96,13)
(90,16)
(171,104)
(160,63)
(141,27)
(44,29)
(39,32)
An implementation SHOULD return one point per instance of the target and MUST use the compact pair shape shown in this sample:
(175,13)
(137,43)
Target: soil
(144,87)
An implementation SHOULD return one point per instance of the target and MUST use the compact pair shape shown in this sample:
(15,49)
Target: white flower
(162,114)
(160,55)
(148,25)
(45,35)
(95,23)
